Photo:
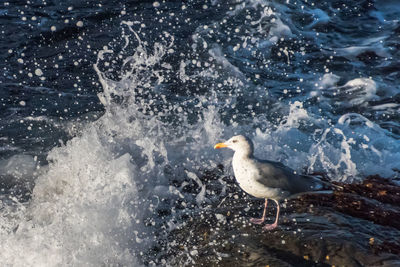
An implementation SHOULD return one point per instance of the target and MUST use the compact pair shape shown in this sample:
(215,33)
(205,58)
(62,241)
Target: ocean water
(110,110)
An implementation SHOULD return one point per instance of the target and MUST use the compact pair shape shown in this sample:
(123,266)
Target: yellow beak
(220,145)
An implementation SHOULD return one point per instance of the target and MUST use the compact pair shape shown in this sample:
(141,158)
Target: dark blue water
(109,111)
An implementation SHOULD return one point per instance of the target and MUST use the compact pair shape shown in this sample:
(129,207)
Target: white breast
(247,174)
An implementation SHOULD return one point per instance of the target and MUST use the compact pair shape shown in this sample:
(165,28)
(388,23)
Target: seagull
(267,179)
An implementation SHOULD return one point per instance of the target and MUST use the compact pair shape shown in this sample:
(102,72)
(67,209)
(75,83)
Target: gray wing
(276,175)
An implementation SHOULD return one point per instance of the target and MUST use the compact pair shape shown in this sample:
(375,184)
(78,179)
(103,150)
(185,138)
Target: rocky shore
(358,225)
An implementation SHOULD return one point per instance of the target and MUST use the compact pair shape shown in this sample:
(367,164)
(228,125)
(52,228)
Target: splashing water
(124,181)
(91,204)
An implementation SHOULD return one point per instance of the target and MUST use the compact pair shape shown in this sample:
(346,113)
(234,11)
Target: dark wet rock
(358,225)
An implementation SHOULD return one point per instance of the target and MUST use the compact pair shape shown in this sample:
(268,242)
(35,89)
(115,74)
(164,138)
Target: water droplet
(38,72)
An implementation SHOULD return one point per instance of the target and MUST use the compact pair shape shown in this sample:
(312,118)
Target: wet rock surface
(358,225)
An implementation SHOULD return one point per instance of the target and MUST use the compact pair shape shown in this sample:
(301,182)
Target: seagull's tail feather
(323,183)
(330,185)
(336,186)
(325,179)
(310,193)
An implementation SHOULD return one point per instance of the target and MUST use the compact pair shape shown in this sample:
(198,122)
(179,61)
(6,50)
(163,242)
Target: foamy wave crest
(354,148)
(350,149)
(80,212)
(98,202)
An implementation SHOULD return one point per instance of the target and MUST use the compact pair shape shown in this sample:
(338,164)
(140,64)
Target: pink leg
(262,219)
(275,224)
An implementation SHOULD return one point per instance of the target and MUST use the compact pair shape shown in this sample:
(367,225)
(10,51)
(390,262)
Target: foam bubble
(355,92)
(38,72)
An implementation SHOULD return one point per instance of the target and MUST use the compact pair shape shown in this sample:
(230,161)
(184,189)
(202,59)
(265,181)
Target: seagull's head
(239,143)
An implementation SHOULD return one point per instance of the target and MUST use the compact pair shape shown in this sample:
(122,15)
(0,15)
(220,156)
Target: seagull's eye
(234,141)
